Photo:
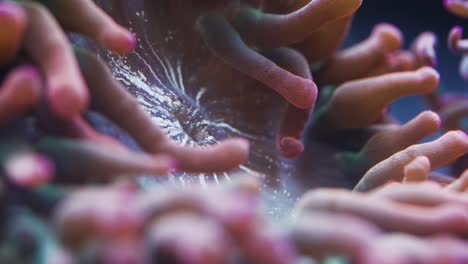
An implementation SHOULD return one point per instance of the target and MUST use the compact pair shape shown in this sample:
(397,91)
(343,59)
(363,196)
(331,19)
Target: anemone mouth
(193,95)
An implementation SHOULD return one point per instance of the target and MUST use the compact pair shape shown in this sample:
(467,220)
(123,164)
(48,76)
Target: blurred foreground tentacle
(48,46)
(25,230)
(457,7)
(83,16)
(29,169)
(102,161)
(440,152)
(13,20)
(403,248)
(187,238)
(22,166)
(388,215)
(97,212)
(321,234)
(20,91)
(426,194)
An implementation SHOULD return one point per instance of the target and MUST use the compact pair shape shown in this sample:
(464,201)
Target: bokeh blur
(414,17)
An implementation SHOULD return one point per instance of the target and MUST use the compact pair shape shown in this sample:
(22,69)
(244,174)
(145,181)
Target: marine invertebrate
(46,44)
(440,152)
(188,71)
(457,7)
(61,114)
(206,77)
(193,226)
(395,213)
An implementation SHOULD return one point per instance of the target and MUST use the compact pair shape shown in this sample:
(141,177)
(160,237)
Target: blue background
(414,17)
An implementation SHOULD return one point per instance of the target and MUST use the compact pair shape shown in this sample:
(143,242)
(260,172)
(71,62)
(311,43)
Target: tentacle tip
(28,89)
(457,29)
(457,7)
(67,102)
(122,42)
(461,134)
(31,72)
(173,166)
(8,9)
(239,149)
(390,35)
(131,41)
(290,147)
(241,143)
(454,37)
(420,165)
(30,170)
(304,99)
(460,137)
(433,118)
(244,145)
(166,164)
(430,77)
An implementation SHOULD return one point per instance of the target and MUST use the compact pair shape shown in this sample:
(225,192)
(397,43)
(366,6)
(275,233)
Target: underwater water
(433,17)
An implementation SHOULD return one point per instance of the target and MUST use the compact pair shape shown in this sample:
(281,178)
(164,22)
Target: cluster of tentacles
(48,90)
(47,87)
(60,202)
(257,44)
(415,221)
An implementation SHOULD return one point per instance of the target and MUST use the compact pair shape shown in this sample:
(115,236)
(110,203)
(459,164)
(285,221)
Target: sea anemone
(177,101)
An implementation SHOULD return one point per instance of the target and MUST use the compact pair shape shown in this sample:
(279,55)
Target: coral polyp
(215,131)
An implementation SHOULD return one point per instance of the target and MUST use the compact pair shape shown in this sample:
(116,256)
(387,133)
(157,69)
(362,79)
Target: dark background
(413,17)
